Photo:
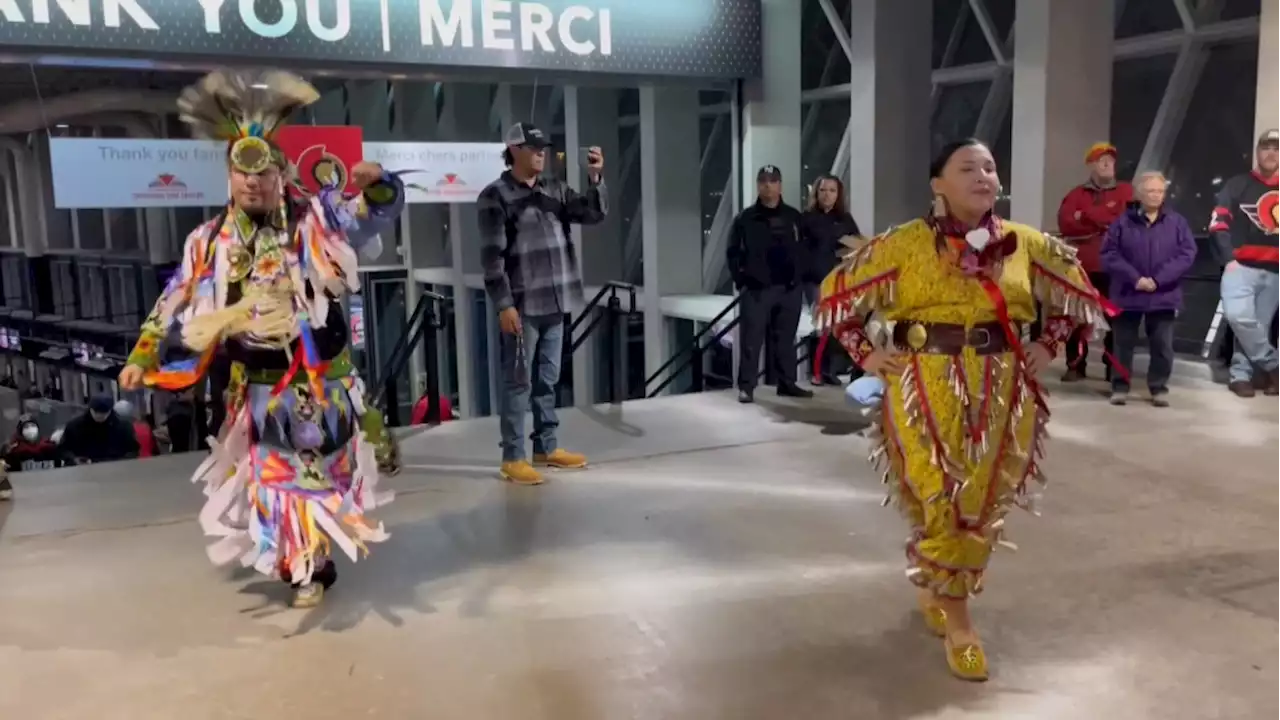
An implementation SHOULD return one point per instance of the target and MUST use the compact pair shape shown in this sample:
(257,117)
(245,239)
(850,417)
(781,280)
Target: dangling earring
(940,208)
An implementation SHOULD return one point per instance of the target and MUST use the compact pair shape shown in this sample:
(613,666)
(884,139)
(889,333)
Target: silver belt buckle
(983,333)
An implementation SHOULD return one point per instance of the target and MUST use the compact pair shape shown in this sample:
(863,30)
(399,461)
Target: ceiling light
(259,86)
(62,126)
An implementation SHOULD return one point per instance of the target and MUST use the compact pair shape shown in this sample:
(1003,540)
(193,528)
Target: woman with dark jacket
(825,221)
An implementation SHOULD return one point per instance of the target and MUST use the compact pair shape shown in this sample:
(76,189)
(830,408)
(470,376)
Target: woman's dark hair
(508,158)
(840,207)
(944,155)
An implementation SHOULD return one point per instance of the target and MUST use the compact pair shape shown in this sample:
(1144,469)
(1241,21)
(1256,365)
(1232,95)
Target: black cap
(1270,137)
(524,134)
(101,403)
(769,172)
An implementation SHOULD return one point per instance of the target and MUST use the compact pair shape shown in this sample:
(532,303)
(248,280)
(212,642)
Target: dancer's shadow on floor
(493,535)
(830,420)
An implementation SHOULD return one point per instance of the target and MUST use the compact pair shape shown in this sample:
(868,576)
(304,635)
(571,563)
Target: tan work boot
(561,459)
(520,472)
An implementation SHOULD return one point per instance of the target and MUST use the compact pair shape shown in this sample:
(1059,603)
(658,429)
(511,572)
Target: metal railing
(611,315)
(693,353)
(424,323)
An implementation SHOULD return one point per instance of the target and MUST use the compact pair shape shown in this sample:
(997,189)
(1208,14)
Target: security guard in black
(766,259)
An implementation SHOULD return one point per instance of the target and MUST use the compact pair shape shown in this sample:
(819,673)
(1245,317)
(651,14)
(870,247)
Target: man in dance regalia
(295,465)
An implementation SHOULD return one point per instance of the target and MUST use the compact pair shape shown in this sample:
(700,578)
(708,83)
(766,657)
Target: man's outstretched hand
(130,377)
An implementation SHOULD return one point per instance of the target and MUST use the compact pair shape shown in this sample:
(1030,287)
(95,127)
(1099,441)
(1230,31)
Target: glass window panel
(1142,17)
(1216,140)
(1137,88)
(1238,9)
(946,13)
(956,114)
(819,150)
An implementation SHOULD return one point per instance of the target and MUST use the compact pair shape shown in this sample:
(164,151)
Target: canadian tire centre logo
(452,184)
(167,187)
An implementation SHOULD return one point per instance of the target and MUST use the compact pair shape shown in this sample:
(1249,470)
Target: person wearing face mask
(261,285)
(27,450)
(766,259)
(824,223)
(1245,228)
(1083,218)
(99,434)
(963,414)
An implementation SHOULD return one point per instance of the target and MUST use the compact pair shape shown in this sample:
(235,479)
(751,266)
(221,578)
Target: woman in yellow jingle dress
(963,416)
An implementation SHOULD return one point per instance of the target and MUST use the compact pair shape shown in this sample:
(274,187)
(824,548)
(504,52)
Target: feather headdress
(246,109)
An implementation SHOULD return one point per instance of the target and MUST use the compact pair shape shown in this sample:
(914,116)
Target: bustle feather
(231,104)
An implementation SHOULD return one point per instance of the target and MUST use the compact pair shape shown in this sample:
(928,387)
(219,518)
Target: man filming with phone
(532,277)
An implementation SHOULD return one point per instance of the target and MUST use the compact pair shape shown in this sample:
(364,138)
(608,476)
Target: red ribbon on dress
(822,342)
(1002,315)
(1110,310)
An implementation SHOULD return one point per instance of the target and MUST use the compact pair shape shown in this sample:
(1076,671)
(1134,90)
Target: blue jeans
(530,365)
(1249,300)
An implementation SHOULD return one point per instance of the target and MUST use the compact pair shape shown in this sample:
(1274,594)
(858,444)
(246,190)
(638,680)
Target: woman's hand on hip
(1038,358)
(884,363)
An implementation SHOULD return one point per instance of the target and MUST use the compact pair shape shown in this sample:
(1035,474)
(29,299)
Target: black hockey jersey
(1244,223)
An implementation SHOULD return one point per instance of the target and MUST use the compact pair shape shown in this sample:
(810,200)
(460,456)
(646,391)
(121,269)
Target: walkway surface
(717,561)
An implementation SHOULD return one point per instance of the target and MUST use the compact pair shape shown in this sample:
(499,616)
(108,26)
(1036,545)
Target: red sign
(321,152)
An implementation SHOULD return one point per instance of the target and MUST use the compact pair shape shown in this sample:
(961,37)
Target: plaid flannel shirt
(529,260)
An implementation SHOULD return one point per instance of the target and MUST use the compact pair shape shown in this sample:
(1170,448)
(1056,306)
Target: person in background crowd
(825,221)
(99,435)
(27,450)
(531,274)
(141,430)
(1244,231)
(1146,253)
(1083,218)
(421,407)
(53,388)
(179,420)
(766,261)
(7,380)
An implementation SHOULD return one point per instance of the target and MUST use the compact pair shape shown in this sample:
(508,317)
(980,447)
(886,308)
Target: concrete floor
(716,562)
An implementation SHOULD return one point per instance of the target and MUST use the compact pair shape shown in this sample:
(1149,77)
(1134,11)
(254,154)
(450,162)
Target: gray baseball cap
(526,135)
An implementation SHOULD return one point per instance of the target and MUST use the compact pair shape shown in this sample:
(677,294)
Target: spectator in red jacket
(1086,213)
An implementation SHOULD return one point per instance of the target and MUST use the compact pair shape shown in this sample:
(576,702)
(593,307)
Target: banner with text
(687,38)
(130,173)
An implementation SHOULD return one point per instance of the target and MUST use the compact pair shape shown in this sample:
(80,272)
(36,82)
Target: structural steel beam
(949,53)
(713,250)
(837,27)
(988,27)
(1193,54)
(1126,49)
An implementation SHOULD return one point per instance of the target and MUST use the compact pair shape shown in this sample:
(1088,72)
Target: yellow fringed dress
(960,435)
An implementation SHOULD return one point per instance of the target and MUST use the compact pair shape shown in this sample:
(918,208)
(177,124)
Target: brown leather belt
(948,339)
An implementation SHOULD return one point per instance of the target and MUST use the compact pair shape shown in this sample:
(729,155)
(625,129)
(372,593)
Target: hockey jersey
(1245,221)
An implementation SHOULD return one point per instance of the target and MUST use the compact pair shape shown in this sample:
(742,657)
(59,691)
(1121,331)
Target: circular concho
(239,261)
(251,155)
(917,336)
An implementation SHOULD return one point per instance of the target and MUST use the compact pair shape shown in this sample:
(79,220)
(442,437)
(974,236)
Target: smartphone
(582,155)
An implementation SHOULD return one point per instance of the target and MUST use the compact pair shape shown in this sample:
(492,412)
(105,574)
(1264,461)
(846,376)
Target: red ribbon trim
(289,374)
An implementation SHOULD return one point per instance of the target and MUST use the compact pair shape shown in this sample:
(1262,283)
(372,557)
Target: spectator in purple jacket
(1146,252)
